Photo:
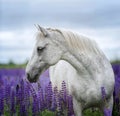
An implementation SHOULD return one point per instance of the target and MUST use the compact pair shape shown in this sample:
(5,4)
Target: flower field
(18,97)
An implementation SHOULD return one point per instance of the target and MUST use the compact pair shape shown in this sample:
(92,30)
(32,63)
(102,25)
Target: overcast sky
(97,19)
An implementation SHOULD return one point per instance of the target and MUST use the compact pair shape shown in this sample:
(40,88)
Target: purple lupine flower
(12,99)
(64,92)
(50,90)
(59,104)
(32,90)
(22,98)
(26,97)
(1,100)
(63,86)
(22,88)
(103,93)
(55,94)
(70,105)
(54,103)
(35,103)
(18,94)
(35,106)
(23,110)
(107,112)
(7,94)
(49,95)
(22,103)
(57,98)
(117,86)
(46,98)
(39,86)
(41,99)
(117,100)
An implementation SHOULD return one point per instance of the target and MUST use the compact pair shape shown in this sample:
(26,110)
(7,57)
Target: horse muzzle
(32,79)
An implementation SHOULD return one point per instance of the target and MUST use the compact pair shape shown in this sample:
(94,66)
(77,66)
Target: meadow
(18,97)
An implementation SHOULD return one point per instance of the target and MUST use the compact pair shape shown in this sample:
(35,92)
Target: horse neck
(79,61)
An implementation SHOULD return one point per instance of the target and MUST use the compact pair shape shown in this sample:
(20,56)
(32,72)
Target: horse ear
(44,31)
(36,26)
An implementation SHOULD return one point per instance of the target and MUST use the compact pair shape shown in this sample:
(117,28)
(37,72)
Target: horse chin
(36,77)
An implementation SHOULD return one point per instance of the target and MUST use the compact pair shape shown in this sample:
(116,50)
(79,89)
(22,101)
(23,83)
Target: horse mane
(78,42)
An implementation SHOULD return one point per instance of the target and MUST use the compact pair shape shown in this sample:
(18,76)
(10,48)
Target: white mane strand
(79,43)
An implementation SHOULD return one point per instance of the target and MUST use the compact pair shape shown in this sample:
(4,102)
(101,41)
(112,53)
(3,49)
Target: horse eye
(40,49)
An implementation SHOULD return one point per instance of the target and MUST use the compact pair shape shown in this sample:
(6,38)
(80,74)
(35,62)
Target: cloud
(99,20)
(16,45)
(81,13)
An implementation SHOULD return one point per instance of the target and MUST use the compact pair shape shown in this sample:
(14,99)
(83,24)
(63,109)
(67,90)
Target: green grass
(50,113)
(89,112)
(10,66)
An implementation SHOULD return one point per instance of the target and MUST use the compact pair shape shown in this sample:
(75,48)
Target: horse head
(47,51)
